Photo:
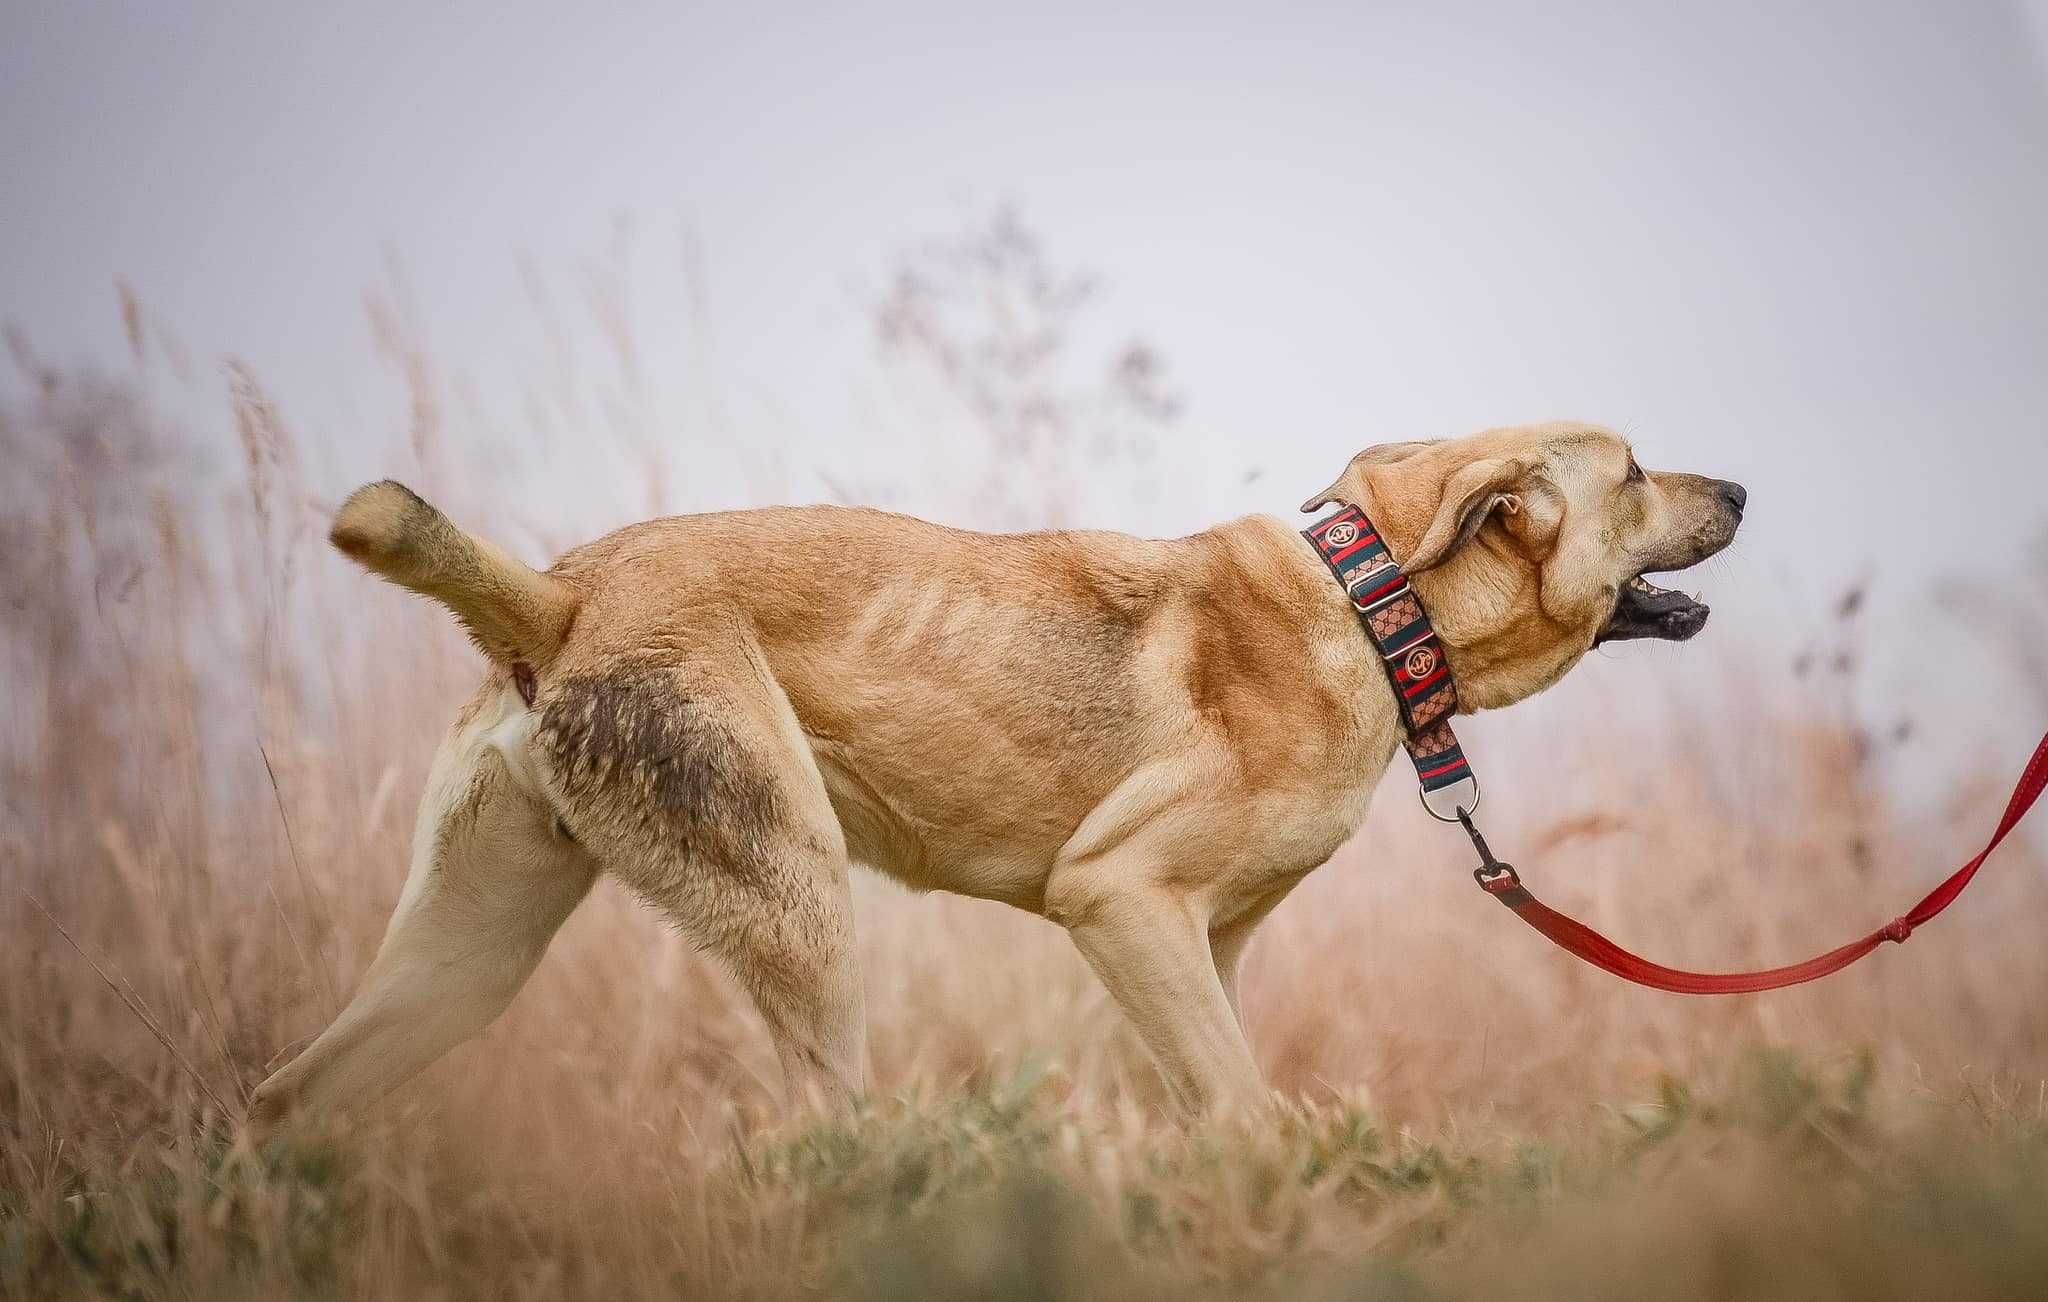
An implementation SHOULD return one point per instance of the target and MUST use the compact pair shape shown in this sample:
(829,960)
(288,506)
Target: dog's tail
(514,612)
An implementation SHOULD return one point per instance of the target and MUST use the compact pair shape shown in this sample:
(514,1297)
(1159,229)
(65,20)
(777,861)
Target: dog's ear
(1428,492)
(1468,496)
(1351,489)
(1420,490)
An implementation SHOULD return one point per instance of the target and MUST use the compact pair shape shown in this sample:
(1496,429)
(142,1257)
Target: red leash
(1501,881)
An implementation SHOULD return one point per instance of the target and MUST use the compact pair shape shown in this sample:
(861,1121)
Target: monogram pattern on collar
(1410,650)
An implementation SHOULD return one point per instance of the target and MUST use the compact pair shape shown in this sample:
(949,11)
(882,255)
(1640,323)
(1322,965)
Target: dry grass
(215,733)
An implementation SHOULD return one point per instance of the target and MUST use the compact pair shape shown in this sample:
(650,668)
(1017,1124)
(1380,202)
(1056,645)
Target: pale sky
(1799,245)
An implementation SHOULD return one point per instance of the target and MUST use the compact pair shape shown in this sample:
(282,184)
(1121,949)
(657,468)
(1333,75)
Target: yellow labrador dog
(1148,742)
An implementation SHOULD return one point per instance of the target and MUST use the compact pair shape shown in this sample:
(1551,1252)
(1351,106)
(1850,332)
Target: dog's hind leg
(490,883)
(693,783)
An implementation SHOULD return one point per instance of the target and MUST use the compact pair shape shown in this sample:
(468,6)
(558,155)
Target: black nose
(1735,494)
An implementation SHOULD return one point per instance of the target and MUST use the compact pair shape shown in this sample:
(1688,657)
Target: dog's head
(1529,545)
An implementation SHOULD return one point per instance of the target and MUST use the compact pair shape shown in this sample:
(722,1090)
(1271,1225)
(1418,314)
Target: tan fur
(512,611)
(1149,742)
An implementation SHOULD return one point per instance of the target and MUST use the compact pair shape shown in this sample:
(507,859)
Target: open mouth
(1646,610)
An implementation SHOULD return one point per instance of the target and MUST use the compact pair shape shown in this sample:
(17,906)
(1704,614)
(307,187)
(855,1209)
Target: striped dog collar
(1410,651)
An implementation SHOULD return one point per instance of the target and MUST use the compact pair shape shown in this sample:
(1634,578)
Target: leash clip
(1501,877)
(1493,876)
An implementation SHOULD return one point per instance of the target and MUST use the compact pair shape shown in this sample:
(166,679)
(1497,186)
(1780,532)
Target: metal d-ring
(1460,806)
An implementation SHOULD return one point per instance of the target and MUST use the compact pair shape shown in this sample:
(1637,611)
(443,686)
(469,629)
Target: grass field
(215,733)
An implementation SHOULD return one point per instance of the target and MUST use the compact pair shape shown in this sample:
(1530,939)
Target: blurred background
(1134,267)
(1796,247)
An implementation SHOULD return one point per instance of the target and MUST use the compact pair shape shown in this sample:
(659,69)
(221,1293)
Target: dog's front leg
(1150,946)
(1227,942)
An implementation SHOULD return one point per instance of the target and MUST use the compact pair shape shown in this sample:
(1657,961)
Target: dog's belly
(926,855)
(1241,842)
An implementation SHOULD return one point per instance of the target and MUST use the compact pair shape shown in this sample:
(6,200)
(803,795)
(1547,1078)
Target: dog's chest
(1320,810)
